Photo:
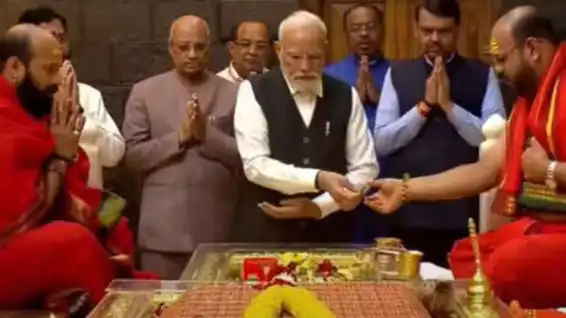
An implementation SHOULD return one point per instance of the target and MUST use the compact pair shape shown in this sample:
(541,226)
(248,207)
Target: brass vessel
(394,262)
(387,253)
(409,265)
(480,302)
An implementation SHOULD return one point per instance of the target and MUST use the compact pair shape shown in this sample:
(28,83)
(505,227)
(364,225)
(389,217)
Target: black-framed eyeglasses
(358,28)
(249,44)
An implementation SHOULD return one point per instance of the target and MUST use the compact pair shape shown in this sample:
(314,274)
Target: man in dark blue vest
(429,120)
(305,145)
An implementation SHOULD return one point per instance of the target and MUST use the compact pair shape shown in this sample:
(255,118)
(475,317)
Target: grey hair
(302,18)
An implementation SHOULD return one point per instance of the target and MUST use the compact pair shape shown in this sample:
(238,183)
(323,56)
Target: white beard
(307,86)
(303,86)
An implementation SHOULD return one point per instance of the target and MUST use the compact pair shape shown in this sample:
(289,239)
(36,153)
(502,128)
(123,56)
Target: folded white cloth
(434,272)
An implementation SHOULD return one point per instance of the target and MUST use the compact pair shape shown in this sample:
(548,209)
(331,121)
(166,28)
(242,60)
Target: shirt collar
(294,90)
(431,63)
(185,81)
(232,71)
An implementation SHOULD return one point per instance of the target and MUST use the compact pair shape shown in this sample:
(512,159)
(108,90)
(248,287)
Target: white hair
(302,18)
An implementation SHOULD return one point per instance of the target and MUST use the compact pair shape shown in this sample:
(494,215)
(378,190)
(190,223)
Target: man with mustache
(48,249)
(429,120)
(525,259)
(178,130)
(249,48)
(364,69)
(100,138)
(304,142)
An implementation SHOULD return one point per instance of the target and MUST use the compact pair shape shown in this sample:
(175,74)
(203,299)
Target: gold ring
(76,132)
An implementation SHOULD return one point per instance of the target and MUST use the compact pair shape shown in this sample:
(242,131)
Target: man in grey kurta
(185,151)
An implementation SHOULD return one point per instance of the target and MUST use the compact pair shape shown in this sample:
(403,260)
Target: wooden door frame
(323,9)
(313,6)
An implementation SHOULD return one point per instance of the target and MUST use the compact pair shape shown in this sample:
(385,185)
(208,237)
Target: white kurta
(230,74)
(253,144)
(101,139)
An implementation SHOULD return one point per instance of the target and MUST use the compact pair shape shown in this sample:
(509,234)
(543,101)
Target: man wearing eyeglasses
(364,69)
(524,260)
(178,130)
(249,50)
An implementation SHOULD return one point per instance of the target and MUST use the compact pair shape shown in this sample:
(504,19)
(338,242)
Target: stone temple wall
(118,42)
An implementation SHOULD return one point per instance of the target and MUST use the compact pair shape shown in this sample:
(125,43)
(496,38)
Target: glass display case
(139,298)
(214,266)
(226,262)
(147,299)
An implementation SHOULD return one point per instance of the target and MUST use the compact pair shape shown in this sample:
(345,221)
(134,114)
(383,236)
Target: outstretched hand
(297,208)
(388,198)
(341,190)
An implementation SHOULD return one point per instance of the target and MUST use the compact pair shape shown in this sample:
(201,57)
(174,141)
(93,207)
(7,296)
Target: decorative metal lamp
(480,297)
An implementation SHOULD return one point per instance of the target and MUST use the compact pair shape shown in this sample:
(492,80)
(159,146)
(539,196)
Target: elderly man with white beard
(304,143)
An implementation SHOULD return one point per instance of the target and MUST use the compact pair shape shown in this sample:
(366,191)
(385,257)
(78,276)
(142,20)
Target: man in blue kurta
(364,69)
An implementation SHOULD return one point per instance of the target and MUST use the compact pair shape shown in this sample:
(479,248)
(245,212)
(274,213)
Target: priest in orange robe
(56,234)
(526,259)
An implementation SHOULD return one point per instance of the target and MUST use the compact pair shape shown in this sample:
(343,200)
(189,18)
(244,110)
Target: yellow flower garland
(299,302)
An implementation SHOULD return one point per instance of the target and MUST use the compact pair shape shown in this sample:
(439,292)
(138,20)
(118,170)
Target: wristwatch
(550,180)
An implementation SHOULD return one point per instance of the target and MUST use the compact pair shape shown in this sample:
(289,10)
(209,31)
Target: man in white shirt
(249,49)
(100,138)
(304,142)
